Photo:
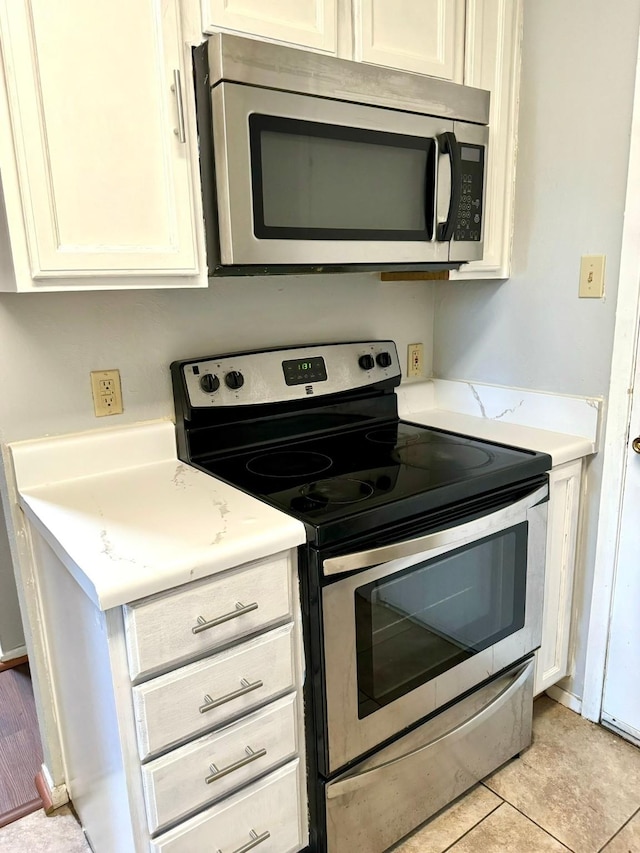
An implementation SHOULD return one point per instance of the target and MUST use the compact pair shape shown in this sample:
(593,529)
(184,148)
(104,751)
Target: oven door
(307,180)
(425,620)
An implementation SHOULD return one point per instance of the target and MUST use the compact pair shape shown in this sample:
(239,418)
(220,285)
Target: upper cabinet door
(105,183)
(309,23)
(425,36)
(492,61)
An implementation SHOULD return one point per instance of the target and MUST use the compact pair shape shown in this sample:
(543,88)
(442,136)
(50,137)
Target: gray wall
(532,331)
(51,341)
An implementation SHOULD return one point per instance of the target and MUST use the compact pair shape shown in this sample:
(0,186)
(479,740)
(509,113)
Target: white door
(424,36)
(105,183)
(621,699)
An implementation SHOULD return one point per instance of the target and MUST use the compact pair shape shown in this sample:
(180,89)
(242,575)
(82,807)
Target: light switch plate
(592,276)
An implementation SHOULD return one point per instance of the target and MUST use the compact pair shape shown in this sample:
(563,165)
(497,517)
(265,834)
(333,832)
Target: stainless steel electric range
(422,576)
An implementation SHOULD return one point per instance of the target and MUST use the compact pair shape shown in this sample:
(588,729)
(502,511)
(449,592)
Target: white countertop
(561,448)
(428,403)
(132,531)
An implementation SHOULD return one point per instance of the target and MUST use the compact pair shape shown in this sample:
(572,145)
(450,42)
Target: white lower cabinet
(243,700)
(168,629)
(552,658)
(208,769)
(207,756)
(209,693)
(266,812)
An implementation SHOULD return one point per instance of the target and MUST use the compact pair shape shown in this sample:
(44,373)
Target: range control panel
(274,376)
(469,219)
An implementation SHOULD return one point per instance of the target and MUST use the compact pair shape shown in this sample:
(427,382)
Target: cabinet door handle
(247,687)
(255,840)
(242,762)
(176,88)
(240,610)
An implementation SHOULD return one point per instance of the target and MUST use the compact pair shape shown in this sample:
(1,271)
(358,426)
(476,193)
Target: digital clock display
(303,371)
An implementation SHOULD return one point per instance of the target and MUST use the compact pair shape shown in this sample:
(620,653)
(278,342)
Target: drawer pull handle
(247,687)
(255,840)
(240,610)
(251,756)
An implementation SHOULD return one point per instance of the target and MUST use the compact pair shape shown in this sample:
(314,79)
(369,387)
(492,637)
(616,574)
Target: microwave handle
(449,145)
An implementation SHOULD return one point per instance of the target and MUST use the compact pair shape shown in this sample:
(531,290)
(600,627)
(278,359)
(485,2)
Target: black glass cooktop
(375,474)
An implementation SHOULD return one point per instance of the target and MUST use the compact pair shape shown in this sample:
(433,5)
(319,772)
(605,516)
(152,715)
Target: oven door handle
(356,780)
(451,537)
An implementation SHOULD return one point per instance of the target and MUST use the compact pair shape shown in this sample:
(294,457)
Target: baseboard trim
(52,796)
(569,700)
(13,654)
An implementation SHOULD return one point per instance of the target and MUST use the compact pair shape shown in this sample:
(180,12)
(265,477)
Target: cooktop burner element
(331,411)
(433,454)
(339,490)
(384,436)
(289,463)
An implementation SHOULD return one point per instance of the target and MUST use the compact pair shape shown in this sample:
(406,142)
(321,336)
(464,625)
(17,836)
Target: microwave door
(467,149)
(304,180)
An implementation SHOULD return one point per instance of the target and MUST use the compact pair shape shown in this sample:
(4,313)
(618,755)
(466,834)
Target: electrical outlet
(107,393)
(415,360)
(592,276)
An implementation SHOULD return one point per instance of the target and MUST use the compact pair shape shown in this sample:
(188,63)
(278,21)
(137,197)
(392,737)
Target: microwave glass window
(425,620)
(321,181)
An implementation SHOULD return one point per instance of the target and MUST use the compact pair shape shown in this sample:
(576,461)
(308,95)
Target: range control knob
(234,379)
(366,362)
(383,359)
(209,383)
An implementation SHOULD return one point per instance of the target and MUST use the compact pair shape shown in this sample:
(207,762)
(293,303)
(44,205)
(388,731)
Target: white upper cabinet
(425,36)
(492,62)
(307,23)
(97,177)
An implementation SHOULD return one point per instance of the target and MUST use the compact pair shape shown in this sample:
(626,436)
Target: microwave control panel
(469,219)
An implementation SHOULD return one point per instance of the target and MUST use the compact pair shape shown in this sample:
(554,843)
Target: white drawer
(270,808)
(201,696)
(176,784)
(160,630)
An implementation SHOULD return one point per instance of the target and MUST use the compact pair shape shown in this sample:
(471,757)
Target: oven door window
(430,617)
(317,181)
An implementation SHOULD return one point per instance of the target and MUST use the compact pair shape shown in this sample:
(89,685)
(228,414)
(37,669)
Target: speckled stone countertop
(141,524)
(566,428)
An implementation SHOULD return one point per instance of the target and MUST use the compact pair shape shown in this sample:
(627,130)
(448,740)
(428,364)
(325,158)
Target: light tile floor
(577,788)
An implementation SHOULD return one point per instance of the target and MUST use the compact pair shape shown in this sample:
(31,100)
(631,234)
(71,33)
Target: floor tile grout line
(619,830)
(535,823)
(471,828)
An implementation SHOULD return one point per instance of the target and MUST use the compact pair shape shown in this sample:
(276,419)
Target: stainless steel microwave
(312,163)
